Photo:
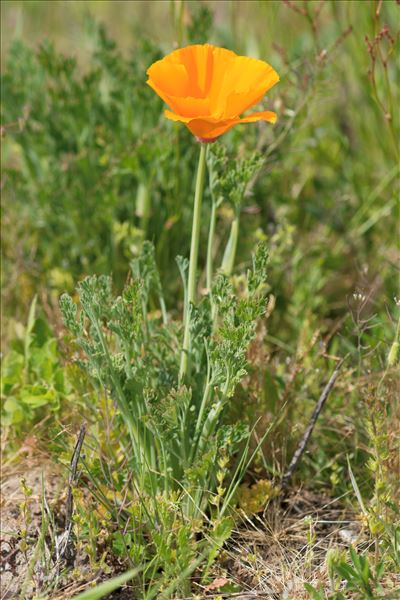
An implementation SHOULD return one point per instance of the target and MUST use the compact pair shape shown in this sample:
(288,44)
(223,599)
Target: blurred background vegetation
(91,169)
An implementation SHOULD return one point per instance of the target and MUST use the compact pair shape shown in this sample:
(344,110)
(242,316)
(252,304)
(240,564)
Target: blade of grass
(356,488)
(102,590)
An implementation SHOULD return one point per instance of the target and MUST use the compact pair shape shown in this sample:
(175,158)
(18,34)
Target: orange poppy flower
(208,88)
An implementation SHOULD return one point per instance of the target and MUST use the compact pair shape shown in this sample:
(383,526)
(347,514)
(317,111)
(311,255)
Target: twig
(64,542)
(237,595)
(72,476)
(307,434)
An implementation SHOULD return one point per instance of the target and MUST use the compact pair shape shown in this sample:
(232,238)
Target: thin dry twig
(307,434)
(64,543)
(72,476)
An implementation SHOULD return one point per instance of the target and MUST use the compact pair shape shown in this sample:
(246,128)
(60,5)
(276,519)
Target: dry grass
(274,553)
(269,555)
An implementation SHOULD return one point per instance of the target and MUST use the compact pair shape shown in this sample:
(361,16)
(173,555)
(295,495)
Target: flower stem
(194,252)
(143,207)
(228,261)
(213,220)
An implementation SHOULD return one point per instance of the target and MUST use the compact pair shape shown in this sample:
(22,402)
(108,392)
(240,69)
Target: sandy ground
(14,563)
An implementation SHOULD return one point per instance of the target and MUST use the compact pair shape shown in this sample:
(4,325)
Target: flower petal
(265,115)
(212,128)
(246,83)
(169,78)
(198,62)
(186,106)
(206,128)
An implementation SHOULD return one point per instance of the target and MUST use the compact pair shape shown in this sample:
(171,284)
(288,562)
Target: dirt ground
(271,555)
(14,563)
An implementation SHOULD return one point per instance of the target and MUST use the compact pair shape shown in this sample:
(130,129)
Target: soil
(271,554)
(14,563)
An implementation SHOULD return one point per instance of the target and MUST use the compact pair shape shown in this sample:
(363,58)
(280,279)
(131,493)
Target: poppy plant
(207,88)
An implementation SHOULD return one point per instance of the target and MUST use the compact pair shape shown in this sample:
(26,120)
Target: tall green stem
(143,206)
(211,235)
(194,252)
(228,261)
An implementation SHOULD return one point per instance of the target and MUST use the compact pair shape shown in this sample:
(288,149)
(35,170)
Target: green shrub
(33,380)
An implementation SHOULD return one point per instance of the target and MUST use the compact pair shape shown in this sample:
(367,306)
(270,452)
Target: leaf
(29,336)
(222,530)
(37,395)
(31,316)
(380,568)
(13,410)
(356,488)
(346,572)
(253,499)
(315,595)
(102,590)
(12,368)
(218,583)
